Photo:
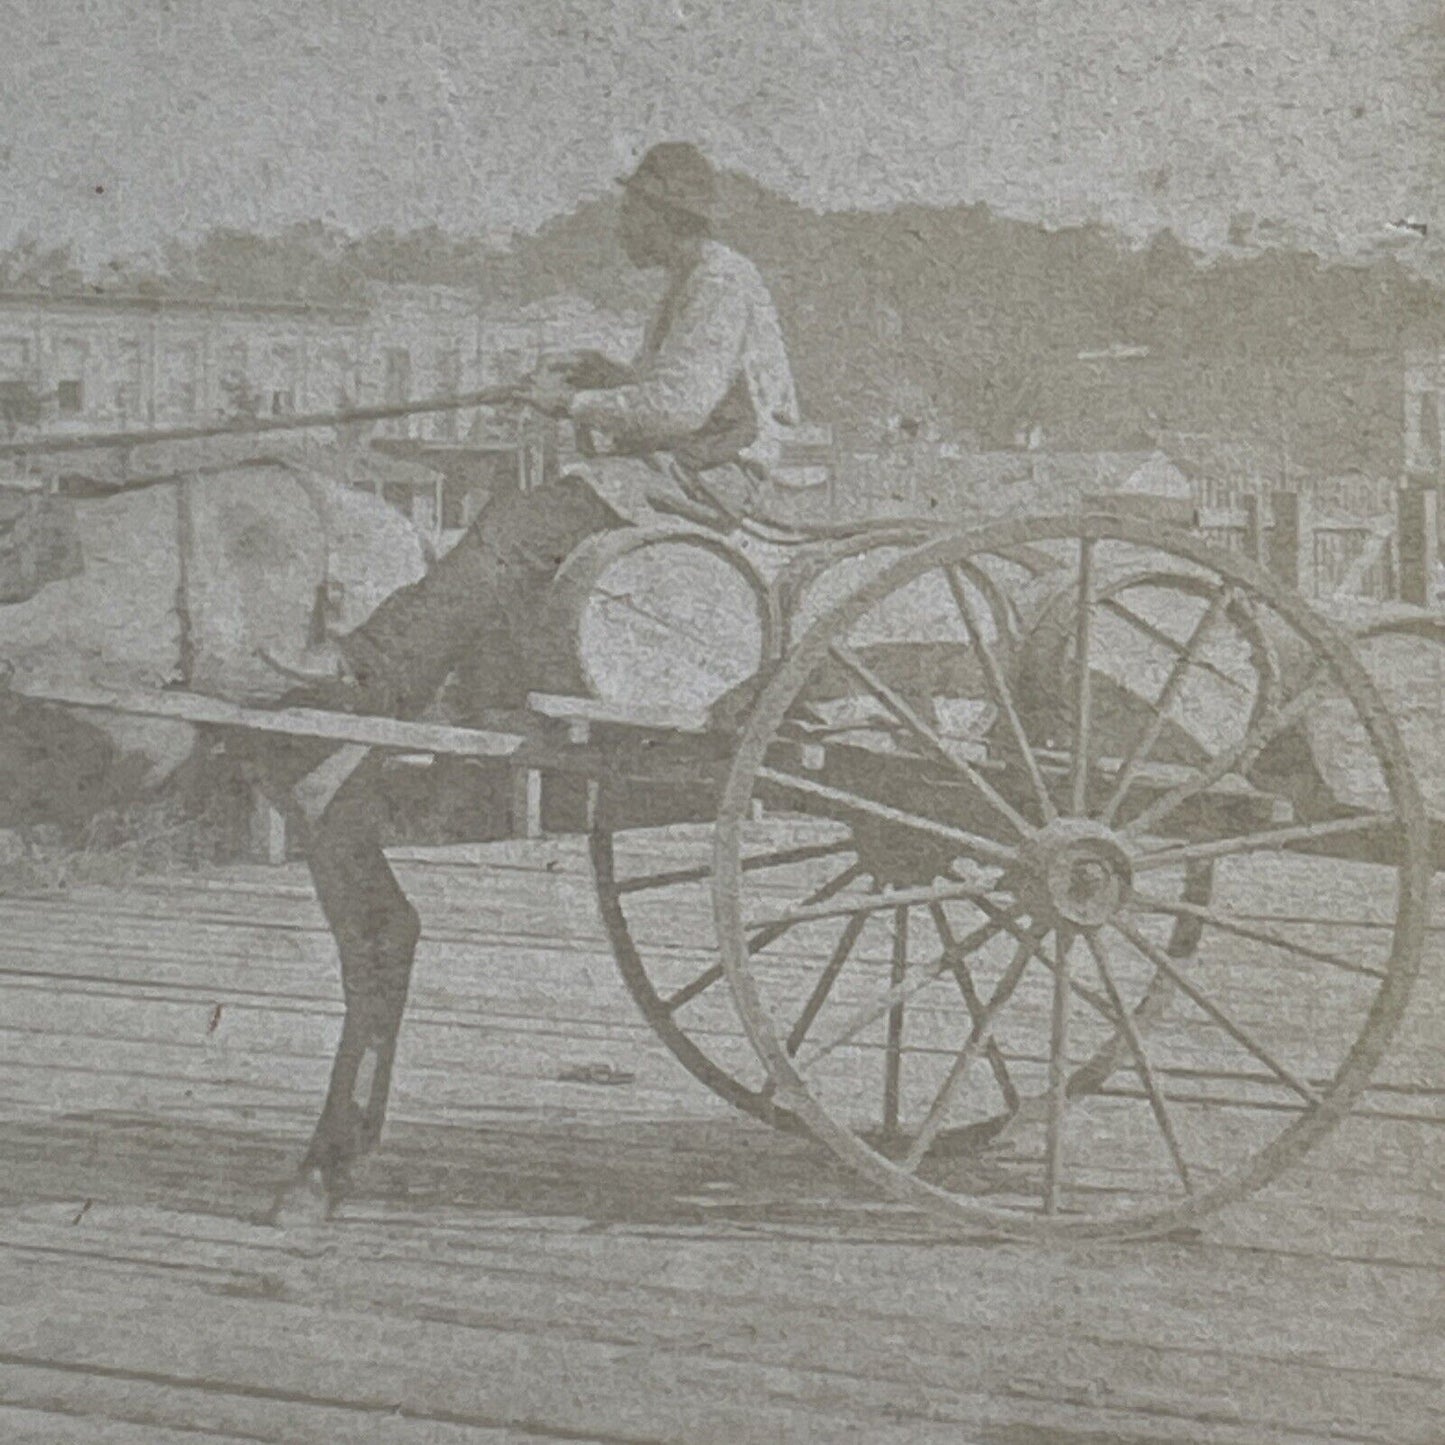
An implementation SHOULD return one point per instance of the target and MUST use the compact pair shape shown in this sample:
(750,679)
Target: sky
(127,122)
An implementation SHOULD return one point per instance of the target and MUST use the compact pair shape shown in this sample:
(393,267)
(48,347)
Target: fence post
(268,830)
(1291,549)
(1254,527)
(1416,513)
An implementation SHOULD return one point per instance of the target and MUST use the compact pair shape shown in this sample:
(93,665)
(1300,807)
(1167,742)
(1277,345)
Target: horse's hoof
(305,1201)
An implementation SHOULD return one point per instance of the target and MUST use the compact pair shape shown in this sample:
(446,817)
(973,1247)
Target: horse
(190,581)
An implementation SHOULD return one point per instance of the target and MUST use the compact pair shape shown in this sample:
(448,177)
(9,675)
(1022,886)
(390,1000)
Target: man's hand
(549,392)
(588,370)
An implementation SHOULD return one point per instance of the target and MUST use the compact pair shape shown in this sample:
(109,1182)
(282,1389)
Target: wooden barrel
(647,618)
(1142,621)
(1403,650)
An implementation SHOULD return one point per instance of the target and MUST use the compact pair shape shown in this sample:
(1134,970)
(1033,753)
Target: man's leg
(403,652)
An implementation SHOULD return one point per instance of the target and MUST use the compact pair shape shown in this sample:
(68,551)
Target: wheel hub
(1076,872)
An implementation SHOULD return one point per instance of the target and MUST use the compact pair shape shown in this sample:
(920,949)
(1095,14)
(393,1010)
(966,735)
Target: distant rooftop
(136,301)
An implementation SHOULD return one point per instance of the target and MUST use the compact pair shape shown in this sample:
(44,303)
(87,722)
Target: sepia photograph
(722,723)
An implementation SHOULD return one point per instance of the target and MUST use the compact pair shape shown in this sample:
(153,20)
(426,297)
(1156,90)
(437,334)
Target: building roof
(133,301)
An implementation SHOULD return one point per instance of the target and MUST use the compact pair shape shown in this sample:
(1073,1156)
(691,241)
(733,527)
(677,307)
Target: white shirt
(712,365)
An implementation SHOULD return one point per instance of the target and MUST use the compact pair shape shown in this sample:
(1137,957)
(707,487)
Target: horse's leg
(376,930)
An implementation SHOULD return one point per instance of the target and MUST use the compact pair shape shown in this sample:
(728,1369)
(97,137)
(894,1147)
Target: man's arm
(589,370)
(684,383)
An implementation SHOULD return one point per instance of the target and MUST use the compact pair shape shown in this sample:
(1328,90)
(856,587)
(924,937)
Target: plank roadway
(531,1259)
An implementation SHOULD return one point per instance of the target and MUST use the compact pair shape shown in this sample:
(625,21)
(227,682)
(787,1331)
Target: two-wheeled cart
(1009,849)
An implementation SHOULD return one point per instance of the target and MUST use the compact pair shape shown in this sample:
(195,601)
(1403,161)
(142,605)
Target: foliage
(953,314)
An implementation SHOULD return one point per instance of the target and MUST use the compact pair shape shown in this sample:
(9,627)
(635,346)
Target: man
(685,430)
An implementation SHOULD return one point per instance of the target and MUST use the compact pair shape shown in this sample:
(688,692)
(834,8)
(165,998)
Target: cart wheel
(1147,608)
(681,994)
(1007,956)
(680,989)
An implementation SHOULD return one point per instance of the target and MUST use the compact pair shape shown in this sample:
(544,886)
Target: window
(335,377)
(398,375)
(461,501)
(14,357)
(181,365)
(238,361)
(511,364)
(130,386)
(70,359)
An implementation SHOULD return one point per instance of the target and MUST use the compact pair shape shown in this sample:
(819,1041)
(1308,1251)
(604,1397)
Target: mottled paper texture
(721,723)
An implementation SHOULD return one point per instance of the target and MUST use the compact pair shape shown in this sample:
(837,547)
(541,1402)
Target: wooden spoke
(893,1049)
(690,991)
(1083,682)
(971,843)
(1009,924)
(1141,1062)
(963,975)
(1170,644)
(762,937)
(1003,607)
(933,1120)
(781,859)
(901,992)
(1234,760)
(819,996)
(764,934)
(1270,838)
(1058,1073)
(1144,744)
(1236,1031)
(997,681)
(908,715)
(1145,904)
(872,903)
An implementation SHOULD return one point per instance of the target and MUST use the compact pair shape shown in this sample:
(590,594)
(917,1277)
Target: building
(94,361)
(103,363)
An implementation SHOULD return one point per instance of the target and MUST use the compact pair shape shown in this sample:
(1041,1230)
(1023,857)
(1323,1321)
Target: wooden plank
(658,1383)
(91,1407)
(80,1423)
(890,1335)
(530,1259)
(290,721)
(589,710)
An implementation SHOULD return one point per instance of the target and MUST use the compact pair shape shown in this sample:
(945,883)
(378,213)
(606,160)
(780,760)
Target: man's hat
(676,174)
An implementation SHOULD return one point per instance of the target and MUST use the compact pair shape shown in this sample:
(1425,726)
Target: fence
(1388,553)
